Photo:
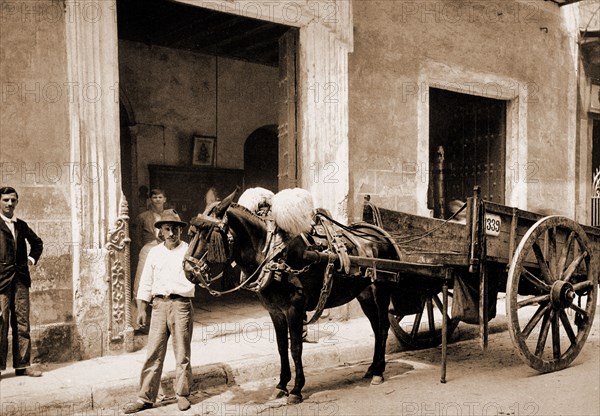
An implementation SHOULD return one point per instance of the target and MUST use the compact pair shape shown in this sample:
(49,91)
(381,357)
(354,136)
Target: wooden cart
(547,266)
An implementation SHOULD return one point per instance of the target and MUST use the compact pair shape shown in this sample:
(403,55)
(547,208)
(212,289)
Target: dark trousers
(14,311)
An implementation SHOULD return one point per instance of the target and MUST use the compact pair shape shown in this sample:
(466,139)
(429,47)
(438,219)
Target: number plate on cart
(492,224)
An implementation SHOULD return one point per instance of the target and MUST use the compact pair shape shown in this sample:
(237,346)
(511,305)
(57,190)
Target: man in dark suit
(15,282)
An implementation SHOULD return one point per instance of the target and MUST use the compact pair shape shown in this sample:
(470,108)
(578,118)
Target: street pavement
(233,343)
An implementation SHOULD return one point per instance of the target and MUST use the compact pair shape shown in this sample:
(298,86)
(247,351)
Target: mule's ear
(226,202)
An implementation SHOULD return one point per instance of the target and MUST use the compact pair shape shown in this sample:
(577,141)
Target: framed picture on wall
(204,151)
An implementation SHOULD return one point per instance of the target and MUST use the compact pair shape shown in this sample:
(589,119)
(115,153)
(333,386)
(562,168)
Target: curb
(225,374)
(260,368)
(114,394)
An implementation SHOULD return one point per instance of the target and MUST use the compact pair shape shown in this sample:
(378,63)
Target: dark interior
(175,25)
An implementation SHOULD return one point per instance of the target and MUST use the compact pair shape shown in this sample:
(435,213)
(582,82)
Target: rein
(200,266)
(265,270)
(217,293)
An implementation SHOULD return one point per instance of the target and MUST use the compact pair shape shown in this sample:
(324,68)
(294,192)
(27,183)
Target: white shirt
(10,223)
(163,273)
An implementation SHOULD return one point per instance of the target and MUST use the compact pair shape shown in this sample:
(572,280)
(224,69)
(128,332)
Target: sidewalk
(233,343)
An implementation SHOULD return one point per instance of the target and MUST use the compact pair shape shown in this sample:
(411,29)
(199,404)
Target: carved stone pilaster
(119,277)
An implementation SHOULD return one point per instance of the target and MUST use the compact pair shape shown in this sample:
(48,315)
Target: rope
(418,237)
(377,220)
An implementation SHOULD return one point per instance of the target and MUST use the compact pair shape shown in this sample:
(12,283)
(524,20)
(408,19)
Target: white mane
(292,210)
(252,198)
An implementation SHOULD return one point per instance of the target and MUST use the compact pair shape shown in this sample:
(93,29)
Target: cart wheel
(551,287)
(424,328)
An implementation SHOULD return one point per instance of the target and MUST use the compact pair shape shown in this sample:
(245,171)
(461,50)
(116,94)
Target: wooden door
(288,103)
(472,132)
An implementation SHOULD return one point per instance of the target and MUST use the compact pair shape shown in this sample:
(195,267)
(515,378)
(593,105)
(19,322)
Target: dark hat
(169,216)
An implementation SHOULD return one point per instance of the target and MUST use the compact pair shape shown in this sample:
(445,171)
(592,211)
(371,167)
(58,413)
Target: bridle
(271,267)
(201,267)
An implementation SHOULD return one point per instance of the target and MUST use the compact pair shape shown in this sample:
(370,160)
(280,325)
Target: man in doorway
(163,283)
(15,282)
(147,236)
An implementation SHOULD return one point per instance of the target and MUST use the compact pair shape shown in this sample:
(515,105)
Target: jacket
(13,258)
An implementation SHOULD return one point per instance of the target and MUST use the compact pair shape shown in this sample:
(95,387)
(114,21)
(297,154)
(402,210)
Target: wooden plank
(434,241)
(422,234)
(498,247)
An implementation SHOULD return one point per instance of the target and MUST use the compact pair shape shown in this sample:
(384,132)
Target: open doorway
(261,159)
(467,142)
(192,73)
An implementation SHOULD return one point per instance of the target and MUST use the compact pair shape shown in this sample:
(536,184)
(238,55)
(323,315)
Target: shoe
(183,403)
(136,406)
(28,371)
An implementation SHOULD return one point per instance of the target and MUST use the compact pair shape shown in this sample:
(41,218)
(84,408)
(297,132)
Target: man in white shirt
(163,283)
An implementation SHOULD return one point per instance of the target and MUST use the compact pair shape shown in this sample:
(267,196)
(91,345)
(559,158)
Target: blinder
(197,270)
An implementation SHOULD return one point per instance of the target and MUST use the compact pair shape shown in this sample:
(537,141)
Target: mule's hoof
(278,394)
(294,399)
(376,380)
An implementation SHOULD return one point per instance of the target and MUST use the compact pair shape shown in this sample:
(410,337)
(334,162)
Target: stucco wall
(517,51)
(35,160)
(177,94)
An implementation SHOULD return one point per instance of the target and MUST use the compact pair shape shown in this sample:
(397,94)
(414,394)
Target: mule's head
(209,249)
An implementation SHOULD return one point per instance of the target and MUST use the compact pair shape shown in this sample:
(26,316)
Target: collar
(6,219)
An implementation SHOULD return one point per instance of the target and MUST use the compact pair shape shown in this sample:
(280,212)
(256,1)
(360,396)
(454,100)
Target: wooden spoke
(580,311)
(555,337)
(438,304)
(542,263)
(539,348)
(535,280)
(430,316)
(562,262)
(573,266)
(416,324)
(535,319)
(533,300)
(563,277)
(577,287)
(552,261)
(422,329)
(567,325)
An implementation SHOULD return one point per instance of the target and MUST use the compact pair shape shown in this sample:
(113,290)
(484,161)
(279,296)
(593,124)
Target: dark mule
(295,286)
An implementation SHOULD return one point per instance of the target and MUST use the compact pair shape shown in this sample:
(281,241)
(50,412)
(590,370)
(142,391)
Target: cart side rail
(422,239)
(512,224)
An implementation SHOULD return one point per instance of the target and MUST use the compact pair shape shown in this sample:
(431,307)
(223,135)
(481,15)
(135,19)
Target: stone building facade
(353,99)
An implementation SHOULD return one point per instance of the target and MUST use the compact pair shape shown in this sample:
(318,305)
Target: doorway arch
(261,158)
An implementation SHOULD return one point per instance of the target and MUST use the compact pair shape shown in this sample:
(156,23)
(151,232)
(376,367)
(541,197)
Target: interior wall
(177,94)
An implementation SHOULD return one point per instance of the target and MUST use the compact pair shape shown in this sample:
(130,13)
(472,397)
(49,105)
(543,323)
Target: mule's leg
(366,299)
(285,374)
(295,318)
(382,299)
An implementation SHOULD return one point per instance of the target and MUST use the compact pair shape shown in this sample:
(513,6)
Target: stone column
(323,124)
(91,33)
